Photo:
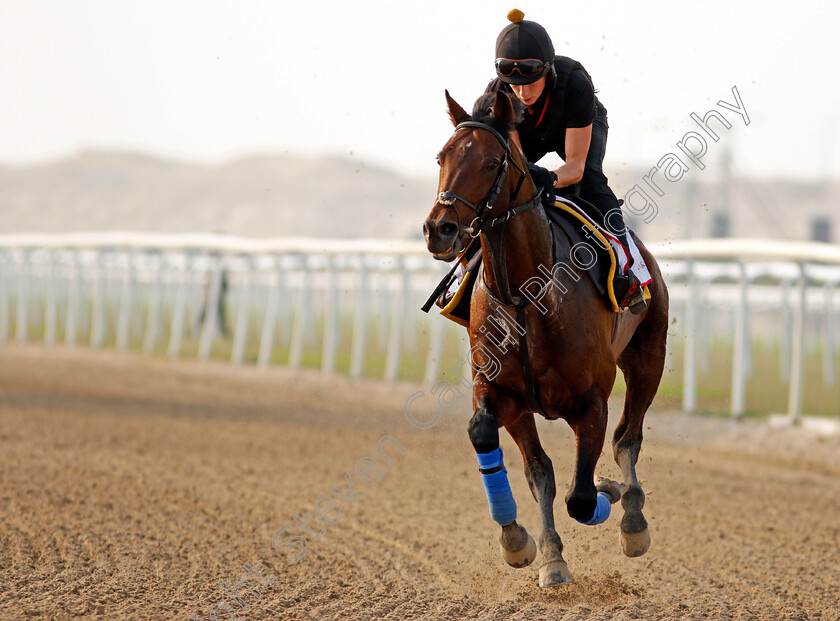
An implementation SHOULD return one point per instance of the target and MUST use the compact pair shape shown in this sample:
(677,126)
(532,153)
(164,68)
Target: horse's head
(473,165)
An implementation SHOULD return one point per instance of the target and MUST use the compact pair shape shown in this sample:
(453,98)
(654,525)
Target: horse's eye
(493,165)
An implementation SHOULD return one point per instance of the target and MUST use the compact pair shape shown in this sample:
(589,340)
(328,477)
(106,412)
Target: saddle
(580,222)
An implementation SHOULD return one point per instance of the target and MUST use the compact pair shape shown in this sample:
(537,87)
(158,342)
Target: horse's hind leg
(540,475)
(642,363)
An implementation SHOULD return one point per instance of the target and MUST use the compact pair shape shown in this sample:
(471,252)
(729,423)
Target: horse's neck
(514,251)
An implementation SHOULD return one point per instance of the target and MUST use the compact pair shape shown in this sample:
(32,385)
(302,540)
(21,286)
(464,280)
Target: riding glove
(545,180)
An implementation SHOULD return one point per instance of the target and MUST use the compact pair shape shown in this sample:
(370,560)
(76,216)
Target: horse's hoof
(554,573)
(611,488)
(635,544)
(522,557)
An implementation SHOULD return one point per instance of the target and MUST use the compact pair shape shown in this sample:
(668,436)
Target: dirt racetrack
(133,488)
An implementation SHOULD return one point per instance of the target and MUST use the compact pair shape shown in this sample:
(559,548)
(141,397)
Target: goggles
(529,68)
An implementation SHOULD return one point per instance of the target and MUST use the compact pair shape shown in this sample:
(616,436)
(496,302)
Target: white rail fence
(341,304)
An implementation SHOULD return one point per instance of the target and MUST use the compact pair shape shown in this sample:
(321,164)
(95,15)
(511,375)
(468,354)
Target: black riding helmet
(522,40)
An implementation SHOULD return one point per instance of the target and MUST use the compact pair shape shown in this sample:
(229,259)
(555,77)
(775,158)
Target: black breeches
(593,186)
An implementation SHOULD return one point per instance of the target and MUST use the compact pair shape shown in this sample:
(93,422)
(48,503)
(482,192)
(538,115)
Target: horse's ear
(503,109)
(456,112)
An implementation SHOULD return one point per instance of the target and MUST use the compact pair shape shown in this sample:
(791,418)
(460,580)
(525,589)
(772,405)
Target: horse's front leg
(586,503)
(518,547)
(540,475)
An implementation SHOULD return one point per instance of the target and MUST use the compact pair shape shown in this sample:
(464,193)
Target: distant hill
(261,196)
(275,195)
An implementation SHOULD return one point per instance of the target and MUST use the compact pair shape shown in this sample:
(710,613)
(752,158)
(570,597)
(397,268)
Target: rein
(483,224)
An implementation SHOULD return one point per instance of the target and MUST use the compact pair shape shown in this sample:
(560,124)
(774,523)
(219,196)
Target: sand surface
(133,488)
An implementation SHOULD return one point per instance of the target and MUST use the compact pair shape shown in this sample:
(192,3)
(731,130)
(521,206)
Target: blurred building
(288,196)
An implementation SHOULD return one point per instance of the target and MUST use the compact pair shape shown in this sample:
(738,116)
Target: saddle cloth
(609,272)
(581,210)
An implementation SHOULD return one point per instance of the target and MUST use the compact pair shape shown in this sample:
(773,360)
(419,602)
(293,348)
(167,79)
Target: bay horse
(555,350)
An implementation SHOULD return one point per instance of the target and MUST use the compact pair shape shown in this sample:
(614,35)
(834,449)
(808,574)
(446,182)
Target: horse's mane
(483,109)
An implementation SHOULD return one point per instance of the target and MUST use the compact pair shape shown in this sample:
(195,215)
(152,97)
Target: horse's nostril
(448,229)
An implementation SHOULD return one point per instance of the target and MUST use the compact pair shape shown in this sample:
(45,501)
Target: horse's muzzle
(441,237)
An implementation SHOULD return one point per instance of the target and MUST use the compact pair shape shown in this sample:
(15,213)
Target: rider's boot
(633,297)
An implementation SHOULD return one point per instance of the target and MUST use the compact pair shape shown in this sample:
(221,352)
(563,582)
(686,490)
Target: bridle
(482,222)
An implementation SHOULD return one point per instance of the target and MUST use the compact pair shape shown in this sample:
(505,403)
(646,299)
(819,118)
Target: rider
(562,115)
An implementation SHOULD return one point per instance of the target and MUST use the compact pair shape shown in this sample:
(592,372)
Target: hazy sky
(211,80)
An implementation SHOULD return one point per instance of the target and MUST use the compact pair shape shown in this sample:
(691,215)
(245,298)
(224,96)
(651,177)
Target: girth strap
(530,389)
(519,303)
